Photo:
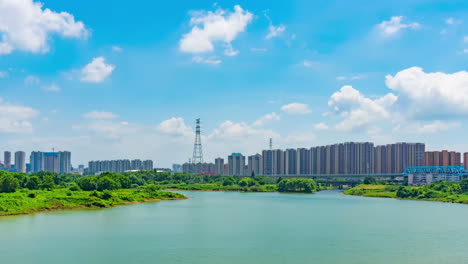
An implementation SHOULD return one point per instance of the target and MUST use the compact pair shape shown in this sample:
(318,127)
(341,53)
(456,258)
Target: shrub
(8,183)
(32,195)
(87,183)
(74,188)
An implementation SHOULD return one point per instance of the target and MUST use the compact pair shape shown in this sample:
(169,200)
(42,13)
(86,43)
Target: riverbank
(219,187)
(28,202)
(436,192)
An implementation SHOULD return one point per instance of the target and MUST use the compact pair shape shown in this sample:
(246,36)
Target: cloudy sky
(113,79)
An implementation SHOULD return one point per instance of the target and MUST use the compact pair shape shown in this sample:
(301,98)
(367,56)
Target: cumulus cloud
(275,31)
(321,126)
(3,74)
(431,94)
(351,78)
(26,26)
(209,28)
(300,137)
(96,71)
(453,21)
(296,108)
(394,25)
(100,115)
(357,110)
(117,49)
(266,119)
(108,129)
(202,60)
(51,88)
(16,118)
(426,128)
(175,126)
(307,63)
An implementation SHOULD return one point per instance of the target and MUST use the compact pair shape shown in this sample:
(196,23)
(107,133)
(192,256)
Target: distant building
(254,165)
(7,159)
(290,162)
(51,162)
(148,165)
(236,163)
(137,164)
(219,166)
(36,160)
(177,168)
(118,166)
(465,160)
(20,161)
(423,175)
(64,159)
(442,158)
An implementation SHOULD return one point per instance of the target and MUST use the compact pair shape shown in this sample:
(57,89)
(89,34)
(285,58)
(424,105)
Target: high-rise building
(267,162)
(36,160)
(51,162)
(236,163)
(219,166)
(465,160)
(148,165)
(137,164)
(254,165)
(442,158)
(302,161)
(290,160)
(177,168)
(7,159)
(278,162)
(20,161)
(64,159)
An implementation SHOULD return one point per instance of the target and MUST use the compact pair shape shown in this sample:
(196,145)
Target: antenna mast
(197,146)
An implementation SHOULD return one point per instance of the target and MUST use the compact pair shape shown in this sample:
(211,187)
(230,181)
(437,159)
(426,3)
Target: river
(230,227)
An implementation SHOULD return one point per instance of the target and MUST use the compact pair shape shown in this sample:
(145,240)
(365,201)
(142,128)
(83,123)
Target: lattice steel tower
(197,147)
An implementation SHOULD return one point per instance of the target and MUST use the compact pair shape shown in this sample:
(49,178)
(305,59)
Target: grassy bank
(25,202)
(440,192)
(220,187)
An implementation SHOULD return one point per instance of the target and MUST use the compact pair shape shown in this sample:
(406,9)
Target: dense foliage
(297,185)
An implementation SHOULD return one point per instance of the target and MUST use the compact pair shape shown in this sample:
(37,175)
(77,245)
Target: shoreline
(77,208)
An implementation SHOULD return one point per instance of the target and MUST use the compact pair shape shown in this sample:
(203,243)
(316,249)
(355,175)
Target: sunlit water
(217,227)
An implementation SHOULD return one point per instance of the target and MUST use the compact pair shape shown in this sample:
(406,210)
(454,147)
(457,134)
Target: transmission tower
(271,143)
(197,147)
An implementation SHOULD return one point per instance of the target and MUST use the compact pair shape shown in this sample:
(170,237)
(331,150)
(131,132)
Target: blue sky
(113,79)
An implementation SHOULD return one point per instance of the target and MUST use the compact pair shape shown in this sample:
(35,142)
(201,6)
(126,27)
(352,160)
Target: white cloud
(32,80)
(51,88)
(300,137)
(465,39)
(358,111)
(266,119)
(229,51)
(100,115)
(431,94)
(96,71)
(275,31)
(321,126)
(307,63)
(117,49)
(3,74)
(108,129)
(296,108)
(26,26)
(211,27)
(428,128)
(351,78)
(453,21)
(175,126)
(394,25)
(16,118)
(202,60)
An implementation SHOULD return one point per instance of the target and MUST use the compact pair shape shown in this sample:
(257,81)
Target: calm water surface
(216,227)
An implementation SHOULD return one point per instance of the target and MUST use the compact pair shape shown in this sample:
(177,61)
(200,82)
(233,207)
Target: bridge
(340,180)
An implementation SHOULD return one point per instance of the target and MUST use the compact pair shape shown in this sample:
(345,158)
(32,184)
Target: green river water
(230,227)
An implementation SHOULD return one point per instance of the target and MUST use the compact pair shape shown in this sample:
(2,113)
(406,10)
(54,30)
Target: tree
(106,183)
(8,183)
(245,182)
(33,183)
(370,180)
(48,182)
(87,183)
(464,185)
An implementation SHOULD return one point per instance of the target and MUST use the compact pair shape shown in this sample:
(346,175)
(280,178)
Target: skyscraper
(137,164)
(51,162)
(290,156)
(255,165)
(20,161)
(7,159)
(37,161)
(267,162)
(64,158)
(465,160)
(148,165)
(219,166)
(236,163)
(302,161)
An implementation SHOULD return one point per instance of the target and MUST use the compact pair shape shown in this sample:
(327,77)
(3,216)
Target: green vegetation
(438,191)
(21,193)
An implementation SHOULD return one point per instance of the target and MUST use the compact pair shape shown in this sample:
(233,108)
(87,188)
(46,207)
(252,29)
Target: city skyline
(303,73)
